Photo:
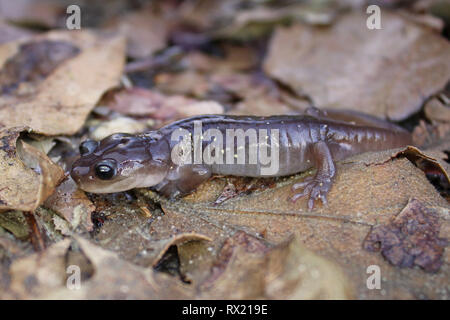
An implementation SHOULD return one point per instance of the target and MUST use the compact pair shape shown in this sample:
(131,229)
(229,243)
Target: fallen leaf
(10,249)
(33,62)
(153,104)
(72,203)
(39,273)
(348,66)
(426,134)
(71,90)
(363,195)
(31,13)
(145,31)
(410,239)
(104,276)
(436,111)
(235,59)
(249,268)
(125,230)
(28,179)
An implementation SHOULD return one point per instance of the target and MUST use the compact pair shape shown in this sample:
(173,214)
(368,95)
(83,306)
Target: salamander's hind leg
(317,187)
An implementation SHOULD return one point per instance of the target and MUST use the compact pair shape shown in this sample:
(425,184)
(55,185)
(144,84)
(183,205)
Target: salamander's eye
(105,169)
(88,146)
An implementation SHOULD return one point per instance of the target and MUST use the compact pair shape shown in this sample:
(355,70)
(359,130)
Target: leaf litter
(233,238)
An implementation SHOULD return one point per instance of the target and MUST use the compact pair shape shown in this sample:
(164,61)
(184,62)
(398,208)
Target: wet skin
(316,139)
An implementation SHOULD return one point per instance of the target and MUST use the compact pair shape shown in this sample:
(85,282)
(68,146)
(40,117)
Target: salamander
(296,143)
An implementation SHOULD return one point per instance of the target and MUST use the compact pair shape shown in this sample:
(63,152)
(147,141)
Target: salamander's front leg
(182,180)
(317,187)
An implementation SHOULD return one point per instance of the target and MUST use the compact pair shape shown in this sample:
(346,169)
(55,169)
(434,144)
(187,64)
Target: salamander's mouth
(89,183)
(119,186)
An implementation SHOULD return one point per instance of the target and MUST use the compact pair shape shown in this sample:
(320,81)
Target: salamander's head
(121,162)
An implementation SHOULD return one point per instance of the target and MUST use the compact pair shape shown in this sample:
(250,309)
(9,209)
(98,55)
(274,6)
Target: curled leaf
(29,177)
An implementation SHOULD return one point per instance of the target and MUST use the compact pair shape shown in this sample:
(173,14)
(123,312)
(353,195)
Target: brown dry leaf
(190,83)
(206,14)
(432,161)
(427,160)
(299,273)
(249,268)
(236,58)
(411,238)
(139,102)
(260,96)
(348,66)
(38,273)
(10,249)
(256,94)
(437,111)
(71,90)
(44,13)
(440,152)
(27,179)
(146,31)
(264,105)
(33,62)
(137,231)
(43,276)
(72,203)
(363,195)
(195,257)
(160,247)
(426,134)
(115,278)
(151,103)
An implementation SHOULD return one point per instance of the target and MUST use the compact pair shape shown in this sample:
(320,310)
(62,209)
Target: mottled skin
(315,139)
